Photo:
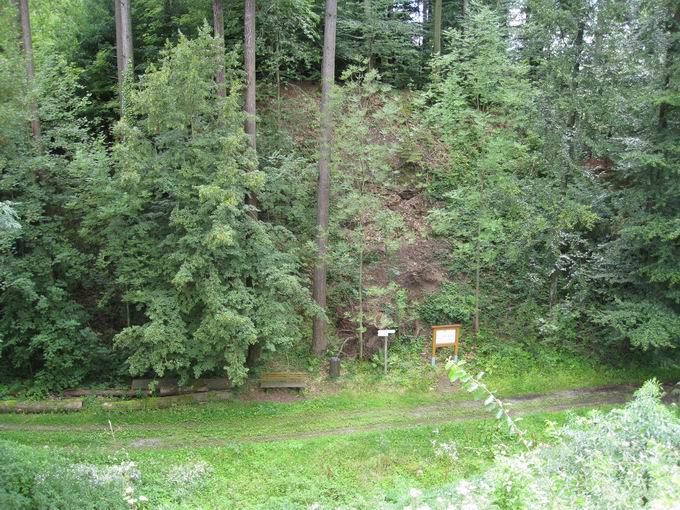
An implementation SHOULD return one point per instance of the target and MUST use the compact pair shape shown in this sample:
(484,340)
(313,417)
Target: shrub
(626,459)
(450,304)
(34,479)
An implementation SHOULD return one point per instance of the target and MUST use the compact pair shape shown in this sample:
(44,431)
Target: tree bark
(437,27)
(249,56)
(424,22)
(368,22)
(43,406)
(218,28)
(27,42)
(323,197)
(671,51)
(124,47)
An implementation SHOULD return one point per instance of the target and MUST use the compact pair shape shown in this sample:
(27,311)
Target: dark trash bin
(334,371)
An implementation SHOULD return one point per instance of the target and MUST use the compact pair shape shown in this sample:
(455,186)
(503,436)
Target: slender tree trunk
(424,24)
(249,40)
(361,300)
(368,22)
(323,197)
(478,262)
(278,80)
(124,47)
(119,53)
(437,27)
(571,150)
(218,29)
(27,42)
(465,8)
(672,50)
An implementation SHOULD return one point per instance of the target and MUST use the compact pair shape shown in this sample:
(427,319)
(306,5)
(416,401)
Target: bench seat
(295,380)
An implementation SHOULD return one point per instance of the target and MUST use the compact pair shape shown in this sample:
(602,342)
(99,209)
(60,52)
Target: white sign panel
(445,336)
(385,332)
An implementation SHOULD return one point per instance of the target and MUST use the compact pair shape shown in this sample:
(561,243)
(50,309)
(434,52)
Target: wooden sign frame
(454,344)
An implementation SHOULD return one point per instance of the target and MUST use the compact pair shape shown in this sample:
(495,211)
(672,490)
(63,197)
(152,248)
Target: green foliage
(364,232)
(453,303)
(627,459)
(31,479)
(545,139)
(288,39)
(44,329)
(381,34)
(475,386)
(205,279)
(478,102)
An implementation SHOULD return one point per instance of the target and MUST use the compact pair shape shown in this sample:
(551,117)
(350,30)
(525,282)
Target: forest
(194,189)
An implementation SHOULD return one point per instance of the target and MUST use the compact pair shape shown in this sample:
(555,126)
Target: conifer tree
(319,341)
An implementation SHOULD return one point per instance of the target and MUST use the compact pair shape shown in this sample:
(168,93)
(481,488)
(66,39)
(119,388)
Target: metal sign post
(385,333)
(445,336)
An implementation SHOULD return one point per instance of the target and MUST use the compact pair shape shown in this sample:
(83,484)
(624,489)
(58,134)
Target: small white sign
(445,337)
(386,332)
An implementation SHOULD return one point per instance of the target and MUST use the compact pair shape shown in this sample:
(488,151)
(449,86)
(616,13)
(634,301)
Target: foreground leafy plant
(626,459)
(492,403)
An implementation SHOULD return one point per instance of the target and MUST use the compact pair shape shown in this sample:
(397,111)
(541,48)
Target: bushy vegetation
(523,185)
(31,479)
(627,458)
(517,174)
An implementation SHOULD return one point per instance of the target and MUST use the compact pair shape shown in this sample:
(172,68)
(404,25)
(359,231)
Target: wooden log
(108,392)
(217,383)
(41,406)
(165,402)
(140,384)
(168,386)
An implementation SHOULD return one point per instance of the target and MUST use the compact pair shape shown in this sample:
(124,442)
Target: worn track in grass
(308,426)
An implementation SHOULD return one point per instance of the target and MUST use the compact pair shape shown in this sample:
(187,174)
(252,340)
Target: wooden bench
(295,380)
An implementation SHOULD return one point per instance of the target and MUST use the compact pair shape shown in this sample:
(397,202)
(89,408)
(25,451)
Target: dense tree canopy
(543,141)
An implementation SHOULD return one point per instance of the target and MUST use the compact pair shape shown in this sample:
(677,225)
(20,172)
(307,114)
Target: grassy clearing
(361,442)
(359,470)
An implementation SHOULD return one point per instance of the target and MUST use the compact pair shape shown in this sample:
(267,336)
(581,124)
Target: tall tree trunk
(250,6)
(323,196)
(465,7)
(124,47)
(218,29)
(361,300)
(673,48)
(437,27)
(571,151)
(368,22)
(27,41)
(249,40)
(424,24)
(478,262)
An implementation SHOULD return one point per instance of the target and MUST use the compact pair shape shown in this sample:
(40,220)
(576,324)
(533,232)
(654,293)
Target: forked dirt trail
(217,432)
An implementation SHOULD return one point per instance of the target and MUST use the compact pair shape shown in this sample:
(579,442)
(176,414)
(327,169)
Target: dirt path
(303,427)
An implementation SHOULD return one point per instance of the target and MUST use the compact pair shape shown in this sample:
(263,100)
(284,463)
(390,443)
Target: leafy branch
(479,390)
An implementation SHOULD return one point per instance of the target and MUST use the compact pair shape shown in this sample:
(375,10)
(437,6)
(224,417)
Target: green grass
(356,470)
(360,442)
